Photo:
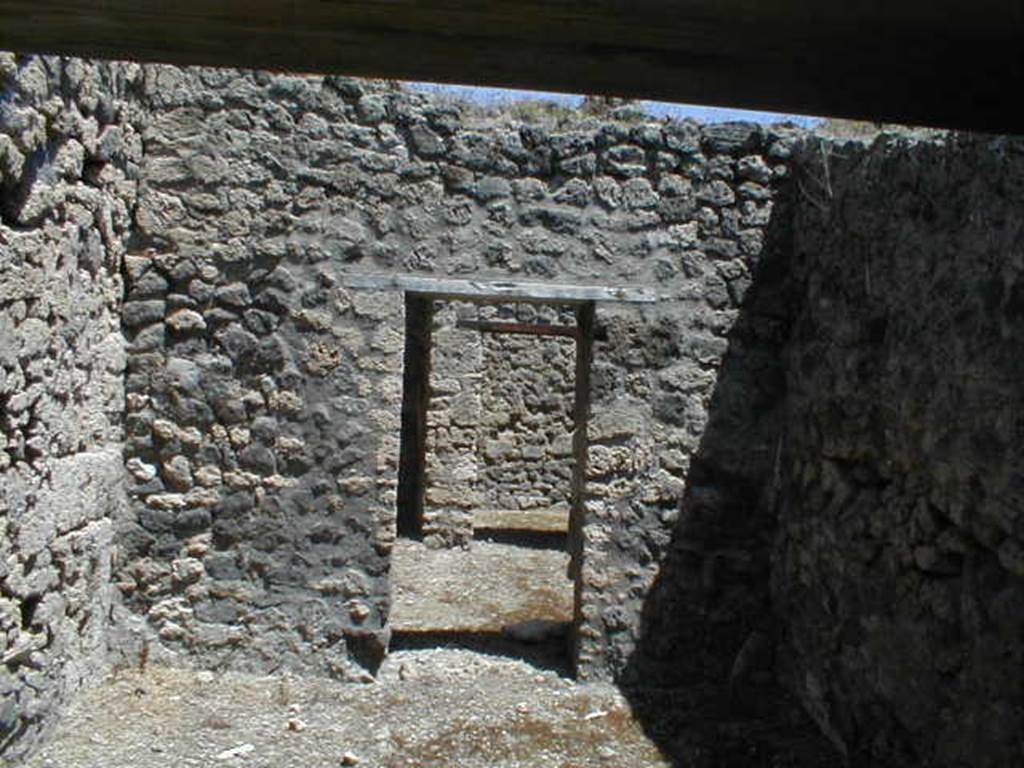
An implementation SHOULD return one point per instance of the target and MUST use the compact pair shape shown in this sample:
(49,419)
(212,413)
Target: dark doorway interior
(415,398)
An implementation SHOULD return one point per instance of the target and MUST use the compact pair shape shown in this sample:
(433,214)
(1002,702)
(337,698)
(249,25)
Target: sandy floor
(428,708)
(434,705)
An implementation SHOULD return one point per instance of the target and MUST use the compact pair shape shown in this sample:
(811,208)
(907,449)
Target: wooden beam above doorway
(498,291)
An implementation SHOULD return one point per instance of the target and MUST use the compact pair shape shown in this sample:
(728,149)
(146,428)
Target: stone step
(554,520)
(488,588)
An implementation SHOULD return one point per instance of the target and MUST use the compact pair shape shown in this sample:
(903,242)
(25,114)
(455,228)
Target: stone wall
(899,575)
(500,417)
(264,396)
(525,440)
(69,154)
(454,410)
(823,398)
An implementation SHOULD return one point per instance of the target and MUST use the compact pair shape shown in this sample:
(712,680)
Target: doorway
(491,479)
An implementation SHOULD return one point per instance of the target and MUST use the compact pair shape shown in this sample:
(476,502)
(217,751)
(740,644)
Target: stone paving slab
(484,589)
(537,520)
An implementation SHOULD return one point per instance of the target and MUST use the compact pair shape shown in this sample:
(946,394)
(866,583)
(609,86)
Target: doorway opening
(491,479)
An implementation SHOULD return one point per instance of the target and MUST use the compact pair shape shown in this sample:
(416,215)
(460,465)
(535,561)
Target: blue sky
(706,114)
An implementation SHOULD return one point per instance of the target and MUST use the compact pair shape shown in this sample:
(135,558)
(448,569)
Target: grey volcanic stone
(177,473)
(732,138)
(425,142)
(186,321)
(138,313)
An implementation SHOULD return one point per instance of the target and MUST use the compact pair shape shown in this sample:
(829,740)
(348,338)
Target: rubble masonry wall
(70,149)
(500,417)
(264,396)
(899,571)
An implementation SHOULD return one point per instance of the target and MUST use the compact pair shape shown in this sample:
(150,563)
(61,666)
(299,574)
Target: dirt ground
(430,708)
(455,691)
(439,707)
